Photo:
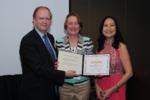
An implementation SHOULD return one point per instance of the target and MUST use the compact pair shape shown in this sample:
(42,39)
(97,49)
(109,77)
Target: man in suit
(39,77)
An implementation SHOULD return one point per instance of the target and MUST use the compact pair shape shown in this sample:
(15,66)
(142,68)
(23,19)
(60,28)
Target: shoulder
(60,43)
(60,40)
(122,48)
(86,39)
(87,42)
(29,36)
(28,40)
(122,45)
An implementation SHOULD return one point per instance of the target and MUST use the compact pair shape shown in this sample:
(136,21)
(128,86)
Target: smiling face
(109,28)
(72,25)
(42,20)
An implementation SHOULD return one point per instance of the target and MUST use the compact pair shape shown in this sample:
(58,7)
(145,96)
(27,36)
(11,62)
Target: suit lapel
(41,46)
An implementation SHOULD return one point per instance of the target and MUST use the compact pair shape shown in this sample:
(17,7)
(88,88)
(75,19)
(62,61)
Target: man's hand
(70,73)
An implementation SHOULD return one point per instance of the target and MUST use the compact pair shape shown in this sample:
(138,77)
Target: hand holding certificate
(84,64)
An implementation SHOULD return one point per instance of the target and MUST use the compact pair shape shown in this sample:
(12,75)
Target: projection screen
(16,21)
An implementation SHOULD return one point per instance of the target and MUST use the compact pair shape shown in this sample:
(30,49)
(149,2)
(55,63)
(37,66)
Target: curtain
(10,87)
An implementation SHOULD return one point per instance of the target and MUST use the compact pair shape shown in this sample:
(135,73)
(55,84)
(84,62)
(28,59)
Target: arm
(33,62)
(125,59)
(99,91)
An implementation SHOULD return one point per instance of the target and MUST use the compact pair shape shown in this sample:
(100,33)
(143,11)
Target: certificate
(96,64)
(70,61)
(84,64)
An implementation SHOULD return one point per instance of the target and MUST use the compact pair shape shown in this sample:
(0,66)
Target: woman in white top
(76,88)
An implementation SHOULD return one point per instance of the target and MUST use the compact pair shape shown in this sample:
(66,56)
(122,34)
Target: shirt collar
(40,33)
(66,39)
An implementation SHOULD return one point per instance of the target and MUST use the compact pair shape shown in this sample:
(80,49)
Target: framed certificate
(84,64)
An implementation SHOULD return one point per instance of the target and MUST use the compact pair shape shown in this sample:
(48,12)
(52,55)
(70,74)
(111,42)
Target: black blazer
(39,75)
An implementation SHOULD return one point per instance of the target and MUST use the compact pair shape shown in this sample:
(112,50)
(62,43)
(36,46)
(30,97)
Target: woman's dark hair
(117,38)
(78,18)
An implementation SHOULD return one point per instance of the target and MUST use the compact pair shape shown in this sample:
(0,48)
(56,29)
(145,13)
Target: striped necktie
(49,48)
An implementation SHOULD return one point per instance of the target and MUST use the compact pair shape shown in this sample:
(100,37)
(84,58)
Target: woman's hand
(100,93)
(108,92)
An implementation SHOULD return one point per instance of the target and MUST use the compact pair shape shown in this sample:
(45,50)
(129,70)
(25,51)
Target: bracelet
(116,88)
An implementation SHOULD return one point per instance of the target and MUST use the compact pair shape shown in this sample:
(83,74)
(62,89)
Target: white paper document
(70,61)
(96,64)
(84,64)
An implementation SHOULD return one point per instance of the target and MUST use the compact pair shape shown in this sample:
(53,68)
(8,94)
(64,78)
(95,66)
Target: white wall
(16,21)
